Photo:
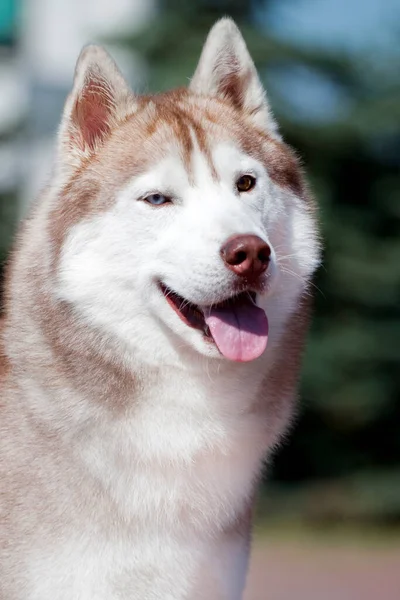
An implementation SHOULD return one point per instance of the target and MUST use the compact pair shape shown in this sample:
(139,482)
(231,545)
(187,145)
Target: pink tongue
(240,330)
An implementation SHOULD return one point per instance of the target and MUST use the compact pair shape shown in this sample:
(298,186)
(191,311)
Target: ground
(300,569)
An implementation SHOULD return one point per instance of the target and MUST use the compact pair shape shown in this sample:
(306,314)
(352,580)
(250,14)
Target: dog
(156,307)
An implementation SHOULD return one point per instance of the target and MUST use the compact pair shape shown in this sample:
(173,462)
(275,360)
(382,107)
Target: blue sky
(367,28)
(354,25)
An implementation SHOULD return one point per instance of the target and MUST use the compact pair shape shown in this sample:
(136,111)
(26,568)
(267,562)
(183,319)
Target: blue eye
(157,199)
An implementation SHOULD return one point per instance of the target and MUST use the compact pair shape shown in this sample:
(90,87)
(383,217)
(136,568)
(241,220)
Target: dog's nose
(246,255)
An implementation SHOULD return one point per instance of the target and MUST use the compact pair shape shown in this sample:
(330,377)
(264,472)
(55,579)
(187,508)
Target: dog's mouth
(237,326)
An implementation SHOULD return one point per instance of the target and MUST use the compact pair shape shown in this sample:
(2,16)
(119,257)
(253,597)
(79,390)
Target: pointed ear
(99,99)
(226,70)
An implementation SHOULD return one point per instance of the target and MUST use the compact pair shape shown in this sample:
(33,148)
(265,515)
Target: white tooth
(206,310)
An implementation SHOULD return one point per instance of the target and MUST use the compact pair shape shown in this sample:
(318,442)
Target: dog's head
(181,220)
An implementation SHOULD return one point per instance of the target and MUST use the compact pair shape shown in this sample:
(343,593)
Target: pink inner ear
(233,80)
(92,113)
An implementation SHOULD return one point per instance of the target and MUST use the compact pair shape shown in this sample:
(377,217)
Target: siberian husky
(156,309)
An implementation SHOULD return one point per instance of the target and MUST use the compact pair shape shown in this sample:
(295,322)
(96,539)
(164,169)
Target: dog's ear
(226,70)
(100,98)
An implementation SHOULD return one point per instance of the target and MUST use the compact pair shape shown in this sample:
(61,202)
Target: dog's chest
(177,474)
(188,452)
(96,568)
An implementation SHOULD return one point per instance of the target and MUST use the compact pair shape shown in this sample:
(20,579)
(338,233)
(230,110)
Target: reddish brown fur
(282,381)
(91,113)
(159,125)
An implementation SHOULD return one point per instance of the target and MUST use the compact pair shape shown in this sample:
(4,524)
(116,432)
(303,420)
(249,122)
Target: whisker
(303,280)
(283,258)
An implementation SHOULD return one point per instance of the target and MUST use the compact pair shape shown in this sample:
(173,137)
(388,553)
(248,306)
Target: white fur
(196,408)
(112,281)
(177,467)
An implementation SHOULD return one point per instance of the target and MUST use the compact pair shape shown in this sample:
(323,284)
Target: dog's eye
(157,199)
(245,183)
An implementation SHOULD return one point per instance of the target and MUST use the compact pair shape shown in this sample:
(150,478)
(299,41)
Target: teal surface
(8,13)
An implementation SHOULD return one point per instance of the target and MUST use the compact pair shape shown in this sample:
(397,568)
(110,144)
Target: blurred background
(328,522)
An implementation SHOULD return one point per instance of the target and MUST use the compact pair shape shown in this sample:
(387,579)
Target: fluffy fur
(130,449)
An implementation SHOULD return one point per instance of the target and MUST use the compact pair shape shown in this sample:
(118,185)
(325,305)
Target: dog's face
(183,218)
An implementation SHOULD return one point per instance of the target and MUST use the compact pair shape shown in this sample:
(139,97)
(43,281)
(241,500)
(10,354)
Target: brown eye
(245,183)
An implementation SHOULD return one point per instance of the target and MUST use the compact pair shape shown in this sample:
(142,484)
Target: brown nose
(246,255)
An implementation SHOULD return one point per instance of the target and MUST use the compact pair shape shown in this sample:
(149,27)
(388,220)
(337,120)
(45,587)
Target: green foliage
(8,217)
